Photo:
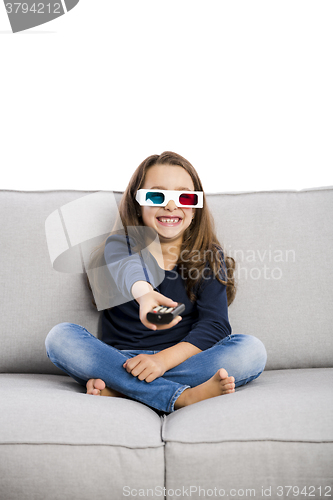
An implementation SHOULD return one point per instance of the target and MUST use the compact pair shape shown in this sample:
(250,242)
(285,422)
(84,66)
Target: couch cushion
(277,430)
(276,406)
(53,436)
(55,409)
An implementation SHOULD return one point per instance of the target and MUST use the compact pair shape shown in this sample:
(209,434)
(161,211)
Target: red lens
(188,199)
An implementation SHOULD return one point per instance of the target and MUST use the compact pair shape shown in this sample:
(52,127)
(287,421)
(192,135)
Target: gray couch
(270,435)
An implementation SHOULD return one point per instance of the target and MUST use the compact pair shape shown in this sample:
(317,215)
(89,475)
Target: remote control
(162,315)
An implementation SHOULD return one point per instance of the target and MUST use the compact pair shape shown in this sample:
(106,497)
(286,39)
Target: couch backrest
(282,242)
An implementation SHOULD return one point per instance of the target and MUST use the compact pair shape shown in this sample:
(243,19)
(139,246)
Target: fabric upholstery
(58,442)
(276,431)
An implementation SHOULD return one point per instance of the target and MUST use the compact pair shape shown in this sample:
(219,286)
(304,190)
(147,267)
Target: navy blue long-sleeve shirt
(203,323)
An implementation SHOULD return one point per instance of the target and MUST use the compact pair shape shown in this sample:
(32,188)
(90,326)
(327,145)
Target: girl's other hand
(147,303)
(146,367)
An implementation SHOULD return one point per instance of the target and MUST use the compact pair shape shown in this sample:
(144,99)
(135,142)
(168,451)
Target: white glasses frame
(168,195)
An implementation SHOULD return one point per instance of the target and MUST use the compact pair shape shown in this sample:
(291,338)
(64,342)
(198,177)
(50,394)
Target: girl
(195,357)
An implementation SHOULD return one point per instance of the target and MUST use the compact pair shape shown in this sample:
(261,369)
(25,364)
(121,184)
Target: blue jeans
(82,356)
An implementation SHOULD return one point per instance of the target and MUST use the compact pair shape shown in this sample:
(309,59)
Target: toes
(228,385)
(225,378)
(90,386)
(99,384)
(228,390)
(94,386)
(223,373)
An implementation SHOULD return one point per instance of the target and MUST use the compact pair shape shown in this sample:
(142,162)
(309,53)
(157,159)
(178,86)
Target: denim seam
(176,396)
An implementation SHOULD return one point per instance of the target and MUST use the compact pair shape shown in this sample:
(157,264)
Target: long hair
(200,245)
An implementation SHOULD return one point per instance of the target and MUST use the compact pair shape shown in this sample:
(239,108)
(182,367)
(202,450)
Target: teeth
(162,219)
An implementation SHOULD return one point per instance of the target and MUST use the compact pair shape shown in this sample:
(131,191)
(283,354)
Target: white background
(242,89)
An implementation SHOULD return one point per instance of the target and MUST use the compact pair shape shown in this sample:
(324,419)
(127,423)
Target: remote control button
(169,310)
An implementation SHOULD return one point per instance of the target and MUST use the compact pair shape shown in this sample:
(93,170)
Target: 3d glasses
(160,198)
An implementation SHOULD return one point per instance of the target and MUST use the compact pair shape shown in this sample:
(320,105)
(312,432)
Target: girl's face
(170,221)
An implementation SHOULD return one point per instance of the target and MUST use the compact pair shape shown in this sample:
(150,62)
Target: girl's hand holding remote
(151,300)
(148,298)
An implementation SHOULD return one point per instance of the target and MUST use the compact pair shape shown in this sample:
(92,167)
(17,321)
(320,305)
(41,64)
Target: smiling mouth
(169,221)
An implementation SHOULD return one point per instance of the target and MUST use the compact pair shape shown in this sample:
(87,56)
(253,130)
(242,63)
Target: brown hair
(200,244)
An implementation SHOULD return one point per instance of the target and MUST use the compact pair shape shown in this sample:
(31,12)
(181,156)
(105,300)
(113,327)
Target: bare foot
(218,385)
(96,387)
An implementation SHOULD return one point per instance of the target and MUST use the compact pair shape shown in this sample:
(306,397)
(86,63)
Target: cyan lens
(155,198)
